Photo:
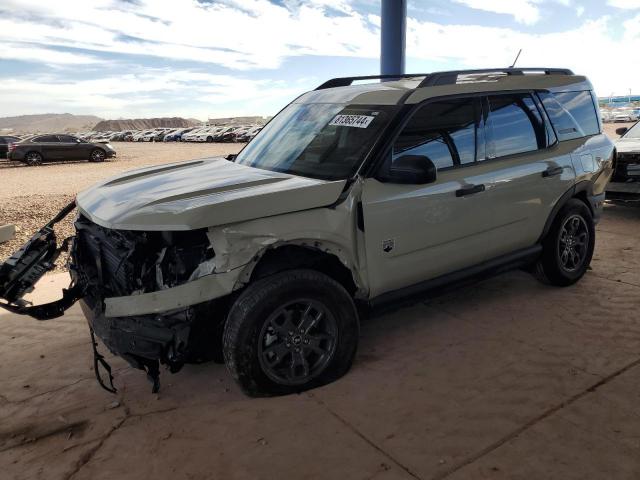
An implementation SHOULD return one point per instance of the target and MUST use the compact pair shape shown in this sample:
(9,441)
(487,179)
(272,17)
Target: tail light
(11,147)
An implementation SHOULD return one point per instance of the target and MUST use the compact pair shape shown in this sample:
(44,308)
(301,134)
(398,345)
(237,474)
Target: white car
(625,117)
(208,134)
(190,136)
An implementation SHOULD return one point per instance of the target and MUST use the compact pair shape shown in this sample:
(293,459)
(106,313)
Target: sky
(205,59)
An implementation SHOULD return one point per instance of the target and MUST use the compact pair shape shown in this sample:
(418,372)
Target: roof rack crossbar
(451,77)
(346,81)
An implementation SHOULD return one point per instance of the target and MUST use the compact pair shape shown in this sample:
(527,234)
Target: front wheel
(568,246)
(290,332)
(97,155)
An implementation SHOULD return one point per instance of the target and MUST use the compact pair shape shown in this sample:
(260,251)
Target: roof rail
(451,77)
(443,78)
(346,81)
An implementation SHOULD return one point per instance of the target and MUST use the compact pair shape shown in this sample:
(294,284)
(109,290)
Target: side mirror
(411,169)
(621,131)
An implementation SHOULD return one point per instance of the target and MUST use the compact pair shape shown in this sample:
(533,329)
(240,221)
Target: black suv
(44,148)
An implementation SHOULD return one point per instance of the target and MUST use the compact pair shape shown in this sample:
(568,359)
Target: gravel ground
(31,196)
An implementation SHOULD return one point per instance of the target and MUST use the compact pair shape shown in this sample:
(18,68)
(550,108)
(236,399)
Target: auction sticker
(358,121)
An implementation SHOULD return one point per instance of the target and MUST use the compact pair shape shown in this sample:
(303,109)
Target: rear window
(573,114)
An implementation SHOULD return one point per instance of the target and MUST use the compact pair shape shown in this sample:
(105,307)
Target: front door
(71,148)
(415,233)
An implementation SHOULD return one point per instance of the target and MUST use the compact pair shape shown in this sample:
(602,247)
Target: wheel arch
(581,191)
(315,255)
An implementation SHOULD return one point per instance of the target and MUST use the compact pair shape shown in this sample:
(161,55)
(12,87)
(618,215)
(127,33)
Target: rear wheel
(97,155)
(568,247)
(290,332)
(209,139)
(33,159)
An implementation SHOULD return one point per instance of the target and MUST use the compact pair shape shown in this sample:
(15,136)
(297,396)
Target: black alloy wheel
(97,155)
(297,342)
(33,159)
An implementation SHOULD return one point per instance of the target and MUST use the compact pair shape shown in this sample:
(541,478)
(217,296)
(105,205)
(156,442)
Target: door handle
(552,172)
(469,190)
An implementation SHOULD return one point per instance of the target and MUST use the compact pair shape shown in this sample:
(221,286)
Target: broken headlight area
(124,262)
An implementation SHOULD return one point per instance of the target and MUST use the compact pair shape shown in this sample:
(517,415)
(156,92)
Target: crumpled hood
(628,145)
(198,194)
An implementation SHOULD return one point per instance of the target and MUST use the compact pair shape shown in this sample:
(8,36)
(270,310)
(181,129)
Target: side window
(46,139)
(565,124)
(514,125)
(580,106)
(67,139)
(444,131)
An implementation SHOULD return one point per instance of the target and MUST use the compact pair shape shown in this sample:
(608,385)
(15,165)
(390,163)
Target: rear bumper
(15,155)
(597,206)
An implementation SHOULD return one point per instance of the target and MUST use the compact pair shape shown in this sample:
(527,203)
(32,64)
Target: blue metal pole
(393,38)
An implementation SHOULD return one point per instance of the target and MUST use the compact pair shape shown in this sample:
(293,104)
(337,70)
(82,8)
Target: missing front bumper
(20,272)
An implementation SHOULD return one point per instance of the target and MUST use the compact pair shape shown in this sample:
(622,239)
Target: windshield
(319,140)
(634,132)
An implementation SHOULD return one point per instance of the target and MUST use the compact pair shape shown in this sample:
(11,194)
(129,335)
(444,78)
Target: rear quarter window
(573,114)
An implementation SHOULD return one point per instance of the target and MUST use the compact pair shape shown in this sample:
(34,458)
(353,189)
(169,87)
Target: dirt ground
(506,379)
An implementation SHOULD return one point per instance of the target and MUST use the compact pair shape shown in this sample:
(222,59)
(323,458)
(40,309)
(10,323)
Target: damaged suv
(351,197)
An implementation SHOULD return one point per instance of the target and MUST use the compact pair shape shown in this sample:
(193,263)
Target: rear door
(49,147)
(531,170)
(415,233)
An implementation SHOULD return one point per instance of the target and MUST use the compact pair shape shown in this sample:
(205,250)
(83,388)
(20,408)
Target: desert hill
(47,123)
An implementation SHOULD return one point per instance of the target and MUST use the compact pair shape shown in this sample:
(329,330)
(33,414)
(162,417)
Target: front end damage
(147,295)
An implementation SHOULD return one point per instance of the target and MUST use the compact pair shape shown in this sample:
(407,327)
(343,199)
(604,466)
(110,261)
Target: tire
(33,159)
(568,247)
(97,155)
(209,139)
(266,346)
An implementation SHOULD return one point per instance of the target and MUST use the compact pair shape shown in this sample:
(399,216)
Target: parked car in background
(190,136)
(5,140)
(176,135)
(207,134)
(232,134)
(47,148)
(625,116)
(625,183)
(606,116)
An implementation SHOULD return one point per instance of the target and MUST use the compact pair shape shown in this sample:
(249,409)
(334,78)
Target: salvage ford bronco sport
(353,195)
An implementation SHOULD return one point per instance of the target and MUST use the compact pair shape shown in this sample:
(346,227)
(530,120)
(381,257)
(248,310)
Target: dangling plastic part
(99,361)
